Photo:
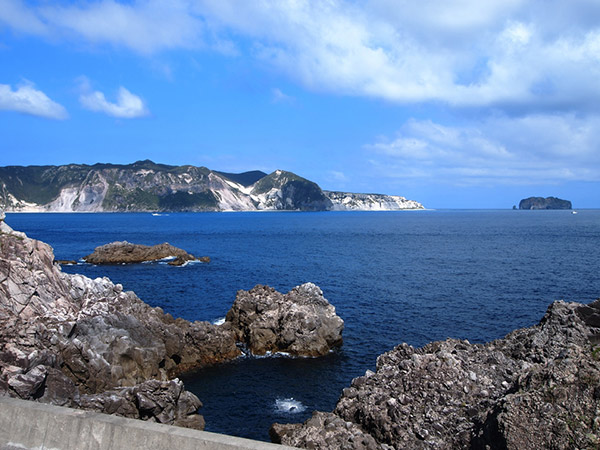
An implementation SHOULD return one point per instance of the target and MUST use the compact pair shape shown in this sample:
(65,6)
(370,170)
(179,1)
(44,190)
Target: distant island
(544,203)
(146,186)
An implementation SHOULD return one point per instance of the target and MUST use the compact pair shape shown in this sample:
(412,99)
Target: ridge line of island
(145,186)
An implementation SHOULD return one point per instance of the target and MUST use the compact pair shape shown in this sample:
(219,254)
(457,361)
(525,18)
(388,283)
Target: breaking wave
(219,321)
(289,406)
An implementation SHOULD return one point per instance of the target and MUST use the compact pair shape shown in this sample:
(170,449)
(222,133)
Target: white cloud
(466,53)
(144,26)
(127,106)
(26,99)
(497,151)
(21,18)
(533,55)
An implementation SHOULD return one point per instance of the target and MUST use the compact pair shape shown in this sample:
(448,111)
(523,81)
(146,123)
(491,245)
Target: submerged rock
(301,322)
(538,387)
(126,253)
(69,340)
(66,262)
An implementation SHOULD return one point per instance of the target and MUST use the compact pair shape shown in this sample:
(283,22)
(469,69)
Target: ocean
(407,276)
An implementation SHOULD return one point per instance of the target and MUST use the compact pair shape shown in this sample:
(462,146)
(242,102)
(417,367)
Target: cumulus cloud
(508,53)
(499,150)
(533,55)
(127,106)
(28,100)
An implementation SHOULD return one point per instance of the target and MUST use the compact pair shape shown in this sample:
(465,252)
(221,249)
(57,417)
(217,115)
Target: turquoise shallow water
(393,277)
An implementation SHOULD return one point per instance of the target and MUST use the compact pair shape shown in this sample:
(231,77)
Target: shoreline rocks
(69,340)
(72,341)
(301,322)
(123,252)
(538,387)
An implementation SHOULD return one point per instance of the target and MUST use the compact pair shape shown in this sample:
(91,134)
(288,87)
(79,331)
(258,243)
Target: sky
(456,104)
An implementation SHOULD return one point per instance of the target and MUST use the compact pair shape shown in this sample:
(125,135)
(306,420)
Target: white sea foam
(219,321)
(270,354)
(289,406)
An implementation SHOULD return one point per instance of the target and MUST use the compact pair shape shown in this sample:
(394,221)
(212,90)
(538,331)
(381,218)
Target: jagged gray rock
(162,401)
(538,387)
(67,339)
(301,322)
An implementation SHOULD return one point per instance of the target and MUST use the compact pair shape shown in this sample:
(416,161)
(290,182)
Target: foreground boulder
(72,341)
(126,253)
(538,387)
(301,322)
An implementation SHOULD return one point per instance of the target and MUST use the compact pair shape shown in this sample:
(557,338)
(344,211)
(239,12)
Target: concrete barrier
(32,425)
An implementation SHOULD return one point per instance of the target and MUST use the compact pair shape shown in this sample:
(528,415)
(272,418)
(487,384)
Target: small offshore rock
(123,252)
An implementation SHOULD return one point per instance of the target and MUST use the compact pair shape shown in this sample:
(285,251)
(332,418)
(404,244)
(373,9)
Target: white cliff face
(82,199)
(270,198)
(346,201)
(186,188)
(230,195)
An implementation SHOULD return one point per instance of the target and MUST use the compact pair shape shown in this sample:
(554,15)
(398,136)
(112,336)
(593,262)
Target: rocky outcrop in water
(544,203)
(70,340)
(301,322)
(126,253)
(538,387)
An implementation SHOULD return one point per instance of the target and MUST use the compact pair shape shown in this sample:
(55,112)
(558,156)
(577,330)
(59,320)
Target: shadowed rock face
(301,322)
(538,387)
(126,253)
(69,340)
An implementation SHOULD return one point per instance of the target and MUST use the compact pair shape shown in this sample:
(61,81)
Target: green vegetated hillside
(148,186)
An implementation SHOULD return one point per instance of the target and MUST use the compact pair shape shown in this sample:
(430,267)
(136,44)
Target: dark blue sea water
(393,276)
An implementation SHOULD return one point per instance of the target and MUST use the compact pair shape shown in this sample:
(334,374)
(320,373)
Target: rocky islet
(544,203)
(123,252)
(300,323)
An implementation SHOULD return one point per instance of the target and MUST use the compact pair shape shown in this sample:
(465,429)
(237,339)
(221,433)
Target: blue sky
(457,104)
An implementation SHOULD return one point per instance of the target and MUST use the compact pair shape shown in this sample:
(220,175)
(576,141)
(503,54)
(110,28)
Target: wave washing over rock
(72,341)
(538,387)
